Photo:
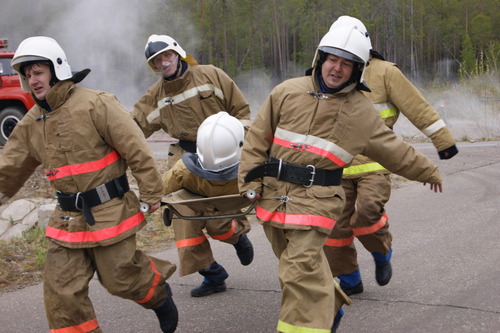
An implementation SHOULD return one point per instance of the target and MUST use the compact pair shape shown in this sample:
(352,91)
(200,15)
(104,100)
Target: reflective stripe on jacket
(76,169)
(179,106)
(391,94)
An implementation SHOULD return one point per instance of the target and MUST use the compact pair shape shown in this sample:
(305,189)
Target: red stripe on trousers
(190,241)
(81,328)
(156,281)
(371,229)
(334,242)
(227,234)
(297,219)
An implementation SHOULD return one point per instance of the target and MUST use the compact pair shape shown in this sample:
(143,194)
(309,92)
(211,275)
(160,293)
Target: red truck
(14,102)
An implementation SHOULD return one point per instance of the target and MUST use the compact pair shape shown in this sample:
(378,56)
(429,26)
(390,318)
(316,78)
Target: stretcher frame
(223,203)
(198,203)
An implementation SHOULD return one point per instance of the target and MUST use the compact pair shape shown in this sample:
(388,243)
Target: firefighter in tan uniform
(367,184)
(307,130)
(210,172)
(85,142)
(184,96)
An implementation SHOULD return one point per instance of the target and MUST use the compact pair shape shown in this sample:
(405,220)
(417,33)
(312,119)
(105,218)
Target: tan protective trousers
(122,269)
(307,301)
(192,244)
(363,217)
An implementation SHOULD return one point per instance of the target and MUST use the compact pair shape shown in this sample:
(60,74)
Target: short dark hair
(29,64)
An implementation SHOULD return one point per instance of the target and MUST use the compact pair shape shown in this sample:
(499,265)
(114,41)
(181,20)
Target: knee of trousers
(368,213)
(119,288)
(342,260)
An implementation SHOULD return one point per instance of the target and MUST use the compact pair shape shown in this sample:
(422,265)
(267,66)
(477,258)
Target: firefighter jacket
(300,125)
(179,106)
(181,177)
(391,94)
(88,139)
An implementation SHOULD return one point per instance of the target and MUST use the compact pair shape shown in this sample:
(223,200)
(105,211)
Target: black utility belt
(288,172)
(83,201)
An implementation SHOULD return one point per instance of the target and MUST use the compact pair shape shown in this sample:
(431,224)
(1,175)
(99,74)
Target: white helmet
(347,42)
(41,48)
(345,21)
(160,43)
(219,142)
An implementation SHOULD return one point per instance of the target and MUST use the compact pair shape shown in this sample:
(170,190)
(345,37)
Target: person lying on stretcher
(211,171)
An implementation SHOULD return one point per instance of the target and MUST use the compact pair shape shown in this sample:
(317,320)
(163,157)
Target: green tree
(481,31)
(467,58)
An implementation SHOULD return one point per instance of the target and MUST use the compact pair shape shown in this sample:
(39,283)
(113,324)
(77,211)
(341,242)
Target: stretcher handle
(167,216)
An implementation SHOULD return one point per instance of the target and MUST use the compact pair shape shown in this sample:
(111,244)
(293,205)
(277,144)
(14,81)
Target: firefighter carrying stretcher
(307,130)
(85,140)
(185,94)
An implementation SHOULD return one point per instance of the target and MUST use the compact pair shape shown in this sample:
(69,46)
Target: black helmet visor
(155,47)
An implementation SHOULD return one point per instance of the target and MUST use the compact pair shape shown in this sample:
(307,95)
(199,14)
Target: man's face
(166,63)
(38,76)
(336,71)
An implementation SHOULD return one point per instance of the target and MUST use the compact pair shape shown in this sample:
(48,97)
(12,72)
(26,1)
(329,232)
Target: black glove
(448,153)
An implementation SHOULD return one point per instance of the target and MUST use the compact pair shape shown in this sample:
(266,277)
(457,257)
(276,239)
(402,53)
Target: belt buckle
(76,201)
(279,169)
(313,174)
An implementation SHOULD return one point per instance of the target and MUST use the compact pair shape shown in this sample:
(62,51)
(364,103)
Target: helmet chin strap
(173,76)
(53,80)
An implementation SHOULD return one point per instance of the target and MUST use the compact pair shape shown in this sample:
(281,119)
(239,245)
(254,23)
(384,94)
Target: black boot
(383,268)
(357,289)
(244,250)
(215,274)
(207,289)
(167,313)
(383,272)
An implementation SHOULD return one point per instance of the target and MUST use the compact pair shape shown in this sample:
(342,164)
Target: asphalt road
(445,261)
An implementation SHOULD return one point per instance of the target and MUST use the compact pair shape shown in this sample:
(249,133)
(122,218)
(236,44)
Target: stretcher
(224,206)
(198,205)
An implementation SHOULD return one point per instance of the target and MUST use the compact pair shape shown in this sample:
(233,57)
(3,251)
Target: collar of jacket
(193,164)
(178,83)
(317,88)
(315,77)
(181,69)
(56,96)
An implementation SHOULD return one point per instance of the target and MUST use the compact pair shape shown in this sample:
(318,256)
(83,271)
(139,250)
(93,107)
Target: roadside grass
(22,260)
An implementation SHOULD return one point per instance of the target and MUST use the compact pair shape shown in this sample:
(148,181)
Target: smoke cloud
(467,116)
(106,36)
